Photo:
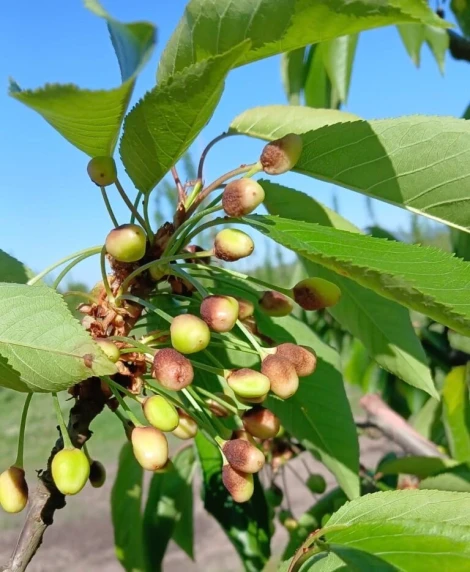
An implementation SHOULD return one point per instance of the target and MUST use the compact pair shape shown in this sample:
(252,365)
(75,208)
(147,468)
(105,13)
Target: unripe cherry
(218,408)
(70,470)
(189,334)
(109,349)
(281,155)
(275,304)
(102,171)
(303,359)
(160,413)
(219,312)
(97,476)
(248,383)
(291,523)
(246,308)
(150,447)
(261,422)
(241,197)
(317,484)
(126,243)
(316,293)
(13,490)
(187,427)
(282,375)
(243,456)
(240,485)
(171,369)
(231,244)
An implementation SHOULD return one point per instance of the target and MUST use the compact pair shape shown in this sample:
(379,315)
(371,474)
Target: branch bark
(393,426)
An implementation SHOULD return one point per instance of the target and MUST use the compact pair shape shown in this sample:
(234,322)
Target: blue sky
(51,209)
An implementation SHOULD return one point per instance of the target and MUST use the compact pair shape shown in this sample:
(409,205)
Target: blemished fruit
(241,197)
(102,171)
(246,308)
(97,476)
(160,413)
(316,294)
(219,312)
(261,422)
(171,369)
(317,484)
(187,427)
(248,383)
(126,243)
(70,470)
(303,359)
(13,490)
(231,244)
(282,375)
(281,155)
(239,485)
(150,447)
(243,456)
(109,349)
(275,304)
(189,334)
(217,408)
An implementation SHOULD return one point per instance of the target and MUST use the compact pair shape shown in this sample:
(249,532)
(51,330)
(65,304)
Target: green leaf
(460,243)
(383,326)
(126,501)
(246,524)
(12,270)
(274,26)
(417,162)
(358,560)
(169,501)
(162,126)
(318,414)
(338,58)
(422,467)
(438,41)
(456,414)
(424,279)
(317,88)
(412,36)
(413,530)
(41,340)
(456,479)
(461,9)
(293,74)
(91,120)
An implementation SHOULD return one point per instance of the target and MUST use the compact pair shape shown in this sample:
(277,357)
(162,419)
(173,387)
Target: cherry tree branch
(393,426)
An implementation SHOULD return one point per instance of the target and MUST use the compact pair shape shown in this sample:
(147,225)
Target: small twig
(394,427)
(179,186)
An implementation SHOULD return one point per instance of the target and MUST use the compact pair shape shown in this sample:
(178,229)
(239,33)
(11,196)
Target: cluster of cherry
(244,389)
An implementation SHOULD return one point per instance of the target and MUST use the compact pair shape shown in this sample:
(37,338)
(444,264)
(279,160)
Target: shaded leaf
(383,326)
(417,162)
(461,9)
(317,89)
(164,123)
(12,270)
(169,501)
(438,41)
(126,499)
(455,413)
(246,524)
(455,479)
(43,343)
(274,26)
(91,120)
(293,74)
(414,465)
(358,560)
(412,36)
(338,58)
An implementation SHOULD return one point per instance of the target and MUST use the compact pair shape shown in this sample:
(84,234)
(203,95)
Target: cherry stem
(79,294)
(67,269)
(200,170)
(261,352)
(136,206)
(217,371)
(109,208)
(182,274)
(129,204)
(116,389)
(87,454)
(147,225)
(137,345)
(212,426)
(126,422)
(63,427)
(87,251)
(24,416)
(104,275)
(218,399)
(179,186)
(159,390)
